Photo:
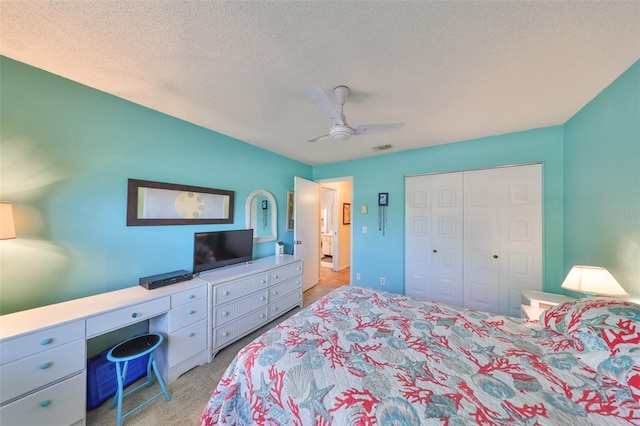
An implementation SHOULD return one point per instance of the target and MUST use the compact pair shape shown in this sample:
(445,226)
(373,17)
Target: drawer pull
(192,296)
(46,341)
(274,292)
(262,315)
(191,312)
(263,298)
(191,334)
(225,333)
(225,313)
(275,308)
(275,276)
(45,365)
(134,315)
(226,293)
(45,403)
(263,281)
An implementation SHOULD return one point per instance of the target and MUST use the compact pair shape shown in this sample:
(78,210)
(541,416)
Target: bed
(363,357)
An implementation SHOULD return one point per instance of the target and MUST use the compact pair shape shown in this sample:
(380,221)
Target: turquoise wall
(602,182)
(66,152)
(376,255)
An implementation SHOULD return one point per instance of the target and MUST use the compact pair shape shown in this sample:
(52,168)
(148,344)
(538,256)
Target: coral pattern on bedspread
(364,357)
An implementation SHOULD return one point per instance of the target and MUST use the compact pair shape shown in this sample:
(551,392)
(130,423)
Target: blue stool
(126,351)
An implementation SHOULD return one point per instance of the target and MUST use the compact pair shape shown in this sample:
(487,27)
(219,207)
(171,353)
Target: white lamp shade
(7,227)
(592,280)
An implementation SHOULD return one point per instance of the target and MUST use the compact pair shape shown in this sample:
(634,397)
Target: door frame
(338,221)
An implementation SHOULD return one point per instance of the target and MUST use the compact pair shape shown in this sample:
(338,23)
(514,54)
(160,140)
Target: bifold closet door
(482,240)
(502,237)
(520,234)
(434,237)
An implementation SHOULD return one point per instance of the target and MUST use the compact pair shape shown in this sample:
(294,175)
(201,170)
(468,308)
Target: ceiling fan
(340,130)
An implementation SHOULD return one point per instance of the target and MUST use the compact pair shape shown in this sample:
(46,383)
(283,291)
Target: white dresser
(246,297)
(43,373)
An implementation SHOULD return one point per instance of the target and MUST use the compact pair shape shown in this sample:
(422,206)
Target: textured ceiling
(450,70)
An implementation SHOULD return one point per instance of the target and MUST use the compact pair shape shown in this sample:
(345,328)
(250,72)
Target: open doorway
(335,224)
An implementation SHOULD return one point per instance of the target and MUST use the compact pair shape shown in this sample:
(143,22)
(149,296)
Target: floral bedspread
(364,357)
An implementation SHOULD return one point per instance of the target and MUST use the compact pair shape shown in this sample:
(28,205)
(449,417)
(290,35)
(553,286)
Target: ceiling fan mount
(340,130)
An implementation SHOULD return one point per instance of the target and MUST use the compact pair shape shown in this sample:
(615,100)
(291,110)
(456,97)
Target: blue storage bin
(101,377)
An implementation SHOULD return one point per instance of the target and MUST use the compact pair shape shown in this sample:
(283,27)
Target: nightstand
(535,302)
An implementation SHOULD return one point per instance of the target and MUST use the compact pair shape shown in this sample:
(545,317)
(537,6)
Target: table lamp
(592,281)
(7,227)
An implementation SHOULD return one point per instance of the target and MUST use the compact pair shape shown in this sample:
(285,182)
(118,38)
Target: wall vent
(382,147)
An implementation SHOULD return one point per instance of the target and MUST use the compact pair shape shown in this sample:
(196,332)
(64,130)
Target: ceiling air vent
(382,147)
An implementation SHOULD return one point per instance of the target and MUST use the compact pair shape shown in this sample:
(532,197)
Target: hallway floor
(329,280)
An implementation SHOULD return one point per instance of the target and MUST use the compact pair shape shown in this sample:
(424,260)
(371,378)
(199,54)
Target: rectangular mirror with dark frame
(158,203)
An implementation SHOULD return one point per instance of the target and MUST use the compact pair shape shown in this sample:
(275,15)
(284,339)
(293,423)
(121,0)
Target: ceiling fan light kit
(340,130)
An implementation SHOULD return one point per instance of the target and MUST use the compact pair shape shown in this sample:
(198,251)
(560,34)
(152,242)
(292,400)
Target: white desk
(43,350)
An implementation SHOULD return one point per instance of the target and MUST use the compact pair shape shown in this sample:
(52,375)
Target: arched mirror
(261,215)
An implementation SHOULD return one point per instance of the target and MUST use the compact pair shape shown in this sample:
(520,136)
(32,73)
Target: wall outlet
(358,276)
(382,281)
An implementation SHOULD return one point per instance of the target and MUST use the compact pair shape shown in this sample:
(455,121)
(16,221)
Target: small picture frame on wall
(383,199)
(346,214)
(290,211)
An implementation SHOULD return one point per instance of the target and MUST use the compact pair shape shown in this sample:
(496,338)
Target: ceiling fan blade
(377,128)
(322,103)
(320,138)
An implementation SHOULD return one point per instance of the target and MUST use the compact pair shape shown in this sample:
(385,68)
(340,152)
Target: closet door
(433,237)
(447,238)
(417,241)
(520,234)
(482,240)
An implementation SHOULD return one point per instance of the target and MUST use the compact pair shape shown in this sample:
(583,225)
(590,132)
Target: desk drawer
(286,272)
(30,344)
(61,404)
(281,306)
(187,314)
(187,342)
(230,311)
(119,318)
(35,371)
(227,292)
(285,287)
(188,296)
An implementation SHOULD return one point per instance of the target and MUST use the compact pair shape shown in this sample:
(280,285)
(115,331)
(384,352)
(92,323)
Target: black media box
(161,280)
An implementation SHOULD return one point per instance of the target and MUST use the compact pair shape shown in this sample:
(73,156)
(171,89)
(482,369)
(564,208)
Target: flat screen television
(216,249)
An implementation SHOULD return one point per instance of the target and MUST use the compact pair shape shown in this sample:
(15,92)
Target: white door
(482,240)
(520,234)
(417,241)
(434,237)
(447,238)
(306,229)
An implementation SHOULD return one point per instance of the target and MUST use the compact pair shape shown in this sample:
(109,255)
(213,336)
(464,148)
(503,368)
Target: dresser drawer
(281,306)
(61,404)
(227,292)
(188,296)
(30,344)
(187,314)
(286,272)
(187,342)
(231,331)
(113,320)
(26,374)
(236,309)
(285,287)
